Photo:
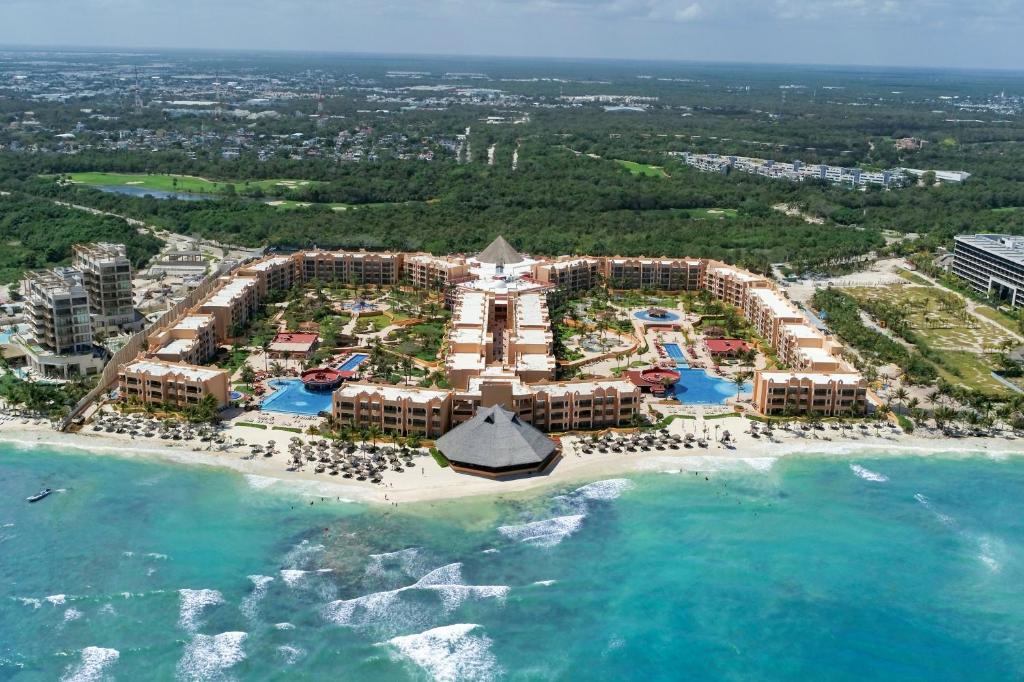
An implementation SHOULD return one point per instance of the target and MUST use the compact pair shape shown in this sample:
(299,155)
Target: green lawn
(703,213)
(188,183)
(642,169)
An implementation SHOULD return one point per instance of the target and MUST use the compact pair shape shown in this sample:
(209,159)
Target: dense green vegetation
(843,316)
(36,233)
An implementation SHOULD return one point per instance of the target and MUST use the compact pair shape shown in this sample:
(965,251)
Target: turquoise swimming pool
(292,397)
(676,353)
(698,387)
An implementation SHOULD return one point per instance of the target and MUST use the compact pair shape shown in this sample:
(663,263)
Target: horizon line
(98,49)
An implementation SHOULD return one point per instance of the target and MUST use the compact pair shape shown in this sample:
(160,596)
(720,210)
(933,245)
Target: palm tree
(406,367)
(374,432)
(276,368)
(901,396)
(739,379)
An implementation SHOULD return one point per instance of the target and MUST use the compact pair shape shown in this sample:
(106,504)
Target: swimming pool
(359,306)
(676,353)
(292,397)
(353,362)
(698,387)
(647,317)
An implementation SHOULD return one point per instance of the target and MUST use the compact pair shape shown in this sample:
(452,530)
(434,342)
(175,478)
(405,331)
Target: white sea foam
(108,610)
(868,474)
(492,550)
(128,554)
(57,599)
(545,583)
(406,561)
(604,490)
(988,547)
(208,656)
(71,614)
(546,533)
(384,606)
(290,654)
(250,604)
(302,554)
(94,663)
(927,504)
(762,464)
(193,602)
(450,653)
(156,555)
(284,626)
(8,525)
(292,577)
(31,601)
(259,482)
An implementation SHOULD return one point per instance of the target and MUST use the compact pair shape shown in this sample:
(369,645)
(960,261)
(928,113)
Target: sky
(945,33)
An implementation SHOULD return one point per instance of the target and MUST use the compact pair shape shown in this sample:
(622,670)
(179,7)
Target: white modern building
(992,264)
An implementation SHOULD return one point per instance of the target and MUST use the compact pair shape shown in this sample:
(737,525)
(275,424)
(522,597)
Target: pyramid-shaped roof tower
(500,252)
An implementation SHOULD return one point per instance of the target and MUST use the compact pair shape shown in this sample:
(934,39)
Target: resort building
(514,446)
(726,348)
(730,284)
(232,305)
(357,268)
(394,409)
(768,311)
(571,275)
(425,271)
(157,382)
(60,338)
(664,274)
(293,345)
(819,393)
(528,340)
(803,347)
(276,273)
(993,264)
(551,406)
(192,341)
(107,277)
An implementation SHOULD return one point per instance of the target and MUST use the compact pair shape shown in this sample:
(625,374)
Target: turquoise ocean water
(881,568)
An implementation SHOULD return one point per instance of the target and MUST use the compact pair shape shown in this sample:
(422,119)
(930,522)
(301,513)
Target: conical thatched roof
(500,252)
(496,440)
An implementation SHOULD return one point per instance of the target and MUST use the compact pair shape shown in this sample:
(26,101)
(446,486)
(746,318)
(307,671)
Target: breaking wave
(94,663)
(290,654)
(193,603)
(546,533)
(386,607)
(450,653)
(868,474)
(250,605)
(207,656)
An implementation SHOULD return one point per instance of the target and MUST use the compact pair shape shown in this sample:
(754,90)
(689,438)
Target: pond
(133,191)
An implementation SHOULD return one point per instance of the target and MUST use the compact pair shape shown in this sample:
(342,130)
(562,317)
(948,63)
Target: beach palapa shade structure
(495,442)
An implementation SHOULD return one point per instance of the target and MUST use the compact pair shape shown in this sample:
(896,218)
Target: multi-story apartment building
(394,409)
(768,311)
(158,382)
(571,275)
(232,304)
(107,277)
(730,284)
(803,347)
(822,393)
(351,267)
(276,273)
(425,271)
(992,264)
(193,341)
(60,338)
(664,274)
(528,340)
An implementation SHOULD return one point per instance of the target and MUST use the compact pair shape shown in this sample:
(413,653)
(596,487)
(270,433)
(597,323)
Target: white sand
(430,482)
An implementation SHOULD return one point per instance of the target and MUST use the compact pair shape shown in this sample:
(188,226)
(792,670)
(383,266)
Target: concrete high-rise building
(992,264)
(60,338)
(107,277)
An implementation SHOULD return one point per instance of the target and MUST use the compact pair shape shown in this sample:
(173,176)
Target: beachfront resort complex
(684,332)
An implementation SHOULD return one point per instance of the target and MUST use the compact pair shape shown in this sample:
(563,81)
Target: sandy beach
(428,481)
